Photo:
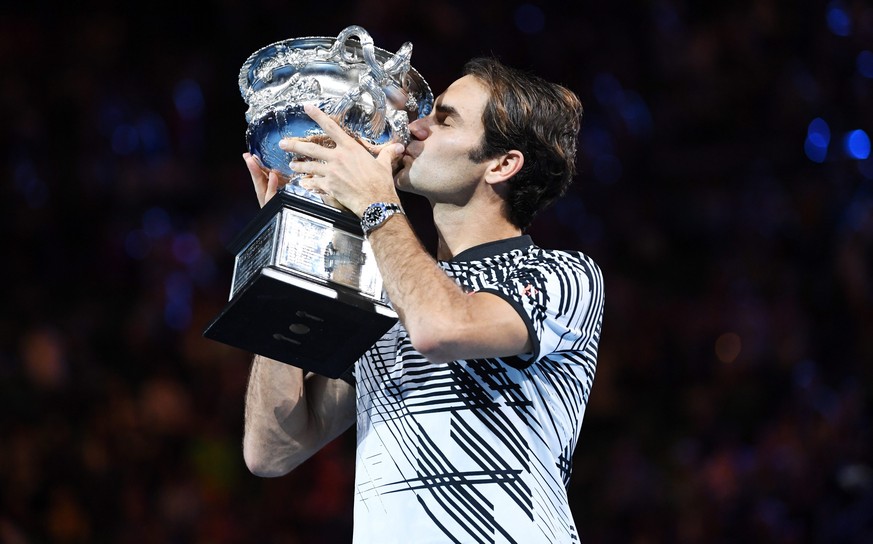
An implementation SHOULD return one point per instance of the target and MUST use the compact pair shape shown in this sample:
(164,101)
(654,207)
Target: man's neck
(460,228)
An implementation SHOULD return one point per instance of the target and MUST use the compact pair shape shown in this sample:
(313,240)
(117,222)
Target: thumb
(390,152)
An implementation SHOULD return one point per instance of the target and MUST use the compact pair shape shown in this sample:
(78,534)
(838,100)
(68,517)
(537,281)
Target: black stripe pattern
(480,450)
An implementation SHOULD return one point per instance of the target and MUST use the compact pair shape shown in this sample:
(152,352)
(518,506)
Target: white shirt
(480,450)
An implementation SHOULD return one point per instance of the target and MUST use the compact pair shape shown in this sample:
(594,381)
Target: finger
(306,149)
(259,179)
(330,127)
(389,153)
(254,167)
(309,184)
(374,149)
(314,168)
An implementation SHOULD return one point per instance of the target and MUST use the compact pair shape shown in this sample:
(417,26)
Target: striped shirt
(480,450)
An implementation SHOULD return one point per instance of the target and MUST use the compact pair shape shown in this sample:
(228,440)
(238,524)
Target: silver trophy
(306,289)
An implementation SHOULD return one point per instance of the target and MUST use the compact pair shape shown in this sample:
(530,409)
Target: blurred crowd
(724,187)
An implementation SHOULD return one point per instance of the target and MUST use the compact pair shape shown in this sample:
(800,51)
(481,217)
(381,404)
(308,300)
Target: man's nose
(419,129)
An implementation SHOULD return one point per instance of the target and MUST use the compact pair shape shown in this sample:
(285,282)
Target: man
(468,410)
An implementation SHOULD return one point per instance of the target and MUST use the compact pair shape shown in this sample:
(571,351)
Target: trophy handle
(371,82)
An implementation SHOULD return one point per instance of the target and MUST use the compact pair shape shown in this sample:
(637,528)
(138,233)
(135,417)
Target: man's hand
(348,172)
(266,185)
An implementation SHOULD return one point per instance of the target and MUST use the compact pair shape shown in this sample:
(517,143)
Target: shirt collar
(490,249)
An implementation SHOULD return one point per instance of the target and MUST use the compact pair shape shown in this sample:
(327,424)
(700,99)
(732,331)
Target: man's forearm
(426,299)
(276,417)
(290,416)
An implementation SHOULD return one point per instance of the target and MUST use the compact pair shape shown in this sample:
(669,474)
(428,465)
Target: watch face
(373,214)
(376,214)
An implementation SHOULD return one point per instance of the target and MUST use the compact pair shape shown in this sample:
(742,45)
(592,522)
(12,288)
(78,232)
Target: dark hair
(538,118)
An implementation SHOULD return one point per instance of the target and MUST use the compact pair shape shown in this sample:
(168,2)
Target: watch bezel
(376,214)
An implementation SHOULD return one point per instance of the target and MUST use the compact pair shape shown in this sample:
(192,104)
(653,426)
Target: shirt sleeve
(560,297)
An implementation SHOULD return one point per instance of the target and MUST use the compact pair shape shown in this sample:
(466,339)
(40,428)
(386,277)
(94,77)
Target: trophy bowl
(370,92)
(306,289)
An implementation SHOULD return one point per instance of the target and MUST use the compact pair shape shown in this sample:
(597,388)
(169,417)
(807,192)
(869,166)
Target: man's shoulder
(561,260)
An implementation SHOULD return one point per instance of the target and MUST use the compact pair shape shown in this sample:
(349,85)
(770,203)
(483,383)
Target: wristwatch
(376,214)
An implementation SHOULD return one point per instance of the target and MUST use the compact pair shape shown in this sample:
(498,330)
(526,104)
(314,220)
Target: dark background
(733,396)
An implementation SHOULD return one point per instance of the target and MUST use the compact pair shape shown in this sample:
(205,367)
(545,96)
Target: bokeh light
(818,137)
(857,144)
(838,19)
(728,347)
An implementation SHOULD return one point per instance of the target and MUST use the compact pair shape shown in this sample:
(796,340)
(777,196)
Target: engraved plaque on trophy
(306,289)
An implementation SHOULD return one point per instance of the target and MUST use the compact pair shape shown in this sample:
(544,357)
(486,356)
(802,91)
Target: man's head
(538,118)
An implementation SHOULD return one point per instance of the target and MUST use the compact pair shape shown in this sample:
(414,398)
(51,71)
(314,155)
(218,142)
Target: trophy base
(308,324)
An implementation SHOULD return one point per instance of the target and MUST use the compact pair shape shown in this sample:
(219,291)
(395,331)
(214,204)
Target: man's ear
(504,166)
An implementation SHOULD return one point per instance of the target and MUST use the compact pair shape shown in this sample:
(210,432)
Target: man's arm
(288,417)
(444,323)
